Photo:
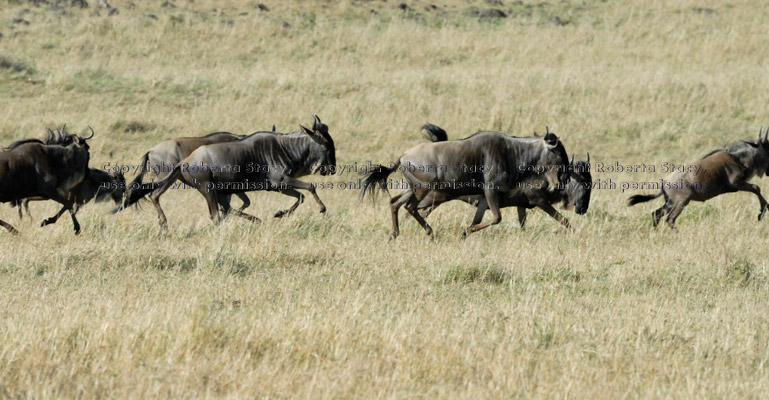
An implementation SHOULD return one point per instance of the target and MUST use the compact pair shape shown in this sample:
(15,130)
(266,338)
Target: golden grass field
(321,305)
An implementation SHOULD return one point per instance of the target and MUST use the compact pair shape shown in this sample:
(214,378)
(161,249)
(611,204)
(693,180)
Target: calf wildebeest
(530,193)
(720,171)
(490,164)
(98,185)
(164,156)
(260,161)
(50,171)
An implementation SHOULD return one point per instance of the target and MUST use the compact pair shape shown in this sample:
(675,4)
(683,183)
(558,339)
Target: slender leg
(522,217)
(396,203)
(213,204)
(52,220)
(74,221)
(555,214)
(246,201)
(491,199)
(749,187)
(299,200)
(8,226)
(411,207)
(671,220)
(297,184)
(480,212)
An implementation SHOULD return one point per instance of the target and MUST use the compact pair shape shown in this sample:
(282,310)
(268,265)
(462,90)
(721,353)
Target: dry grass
(321,306)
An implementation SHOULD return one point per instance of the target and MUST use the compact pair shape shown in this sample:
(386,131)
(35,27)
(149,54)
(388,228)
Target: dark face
(328,162)
(579,188)
(557,160)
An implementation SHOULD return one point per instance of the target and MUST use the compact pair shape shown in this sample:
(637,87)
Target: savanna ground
(321,305)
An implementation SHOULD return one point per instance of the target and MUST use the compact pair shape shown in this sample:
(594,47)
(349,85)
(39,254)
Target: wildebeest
(98,185)
(50,171)
(490,164)
(164,156)
(720,171)
(260,161)
(530,193)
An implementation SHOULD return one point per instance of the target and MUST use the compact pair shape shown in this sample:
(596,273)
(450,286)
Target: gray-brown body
(49,171)
(721,171)
(490,164)
(533,192)
(259,161)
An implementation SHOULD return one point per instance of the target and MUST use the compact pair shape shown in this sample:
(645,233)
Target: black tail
(376,179)
(434,133)
(136,190)
(642,198)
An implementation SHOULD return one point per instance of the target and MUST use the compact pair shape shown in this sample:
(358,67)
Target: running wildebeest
(98,185)
(164,156)
(720,171)
(490,164)
(260,161)
(50,171)
(530,193)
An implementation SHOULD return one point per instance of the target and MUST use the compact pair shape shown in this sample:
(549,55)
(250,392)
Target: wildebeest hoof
(761,216)
(393,237)
(47,221)
(77,232)
(280,214)
(323,210)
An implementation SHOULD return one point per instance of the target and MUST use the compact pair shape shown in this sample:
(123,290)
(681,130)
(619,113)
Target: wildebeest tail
(434,133)
(136,190)
(376,179)
(642,198)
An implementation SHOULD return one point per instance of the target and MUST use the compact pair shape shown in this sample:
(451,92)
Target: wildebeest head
(577,195)
(325,157)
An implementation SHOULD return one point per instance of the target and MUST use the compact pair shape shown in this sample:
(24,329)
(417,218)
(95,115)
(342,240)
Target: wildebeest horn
(588,158)
(547,130)
(572,159)
(91,135)
(760,131)
(63,129)
(766,135)
(315,122)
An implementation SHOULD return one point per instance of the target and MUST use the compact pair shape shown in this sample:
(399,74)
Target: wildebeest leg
(411,207)
(297,184)
(555,214)
(74,221)
(522,217)
(225,199)
(246,201)
(214,202)
(480,211)
(491,201)
(671,220)
(52,220)
(25,204)
(8,226)
(396,203)
(749,187)
(658,213)
(293,193)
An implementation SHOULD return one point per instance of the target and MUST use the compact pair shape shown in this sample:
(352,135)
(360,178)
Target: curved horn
(766,135)
(315,121)
(91,135)
(588,158)
(760,131)
(547,130)
(572,159)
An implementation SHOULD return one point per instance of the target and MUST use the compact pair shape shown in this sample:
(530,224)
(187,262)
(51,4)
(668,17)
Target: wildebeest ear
(307,130)
(273,128)
(551,139)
